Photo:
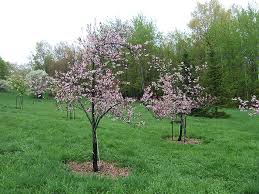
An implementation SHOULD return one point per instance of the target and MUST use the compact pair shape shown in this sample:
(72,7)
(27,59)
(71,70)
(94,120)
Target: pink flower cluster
(91,83)
(252,105)
(175,94)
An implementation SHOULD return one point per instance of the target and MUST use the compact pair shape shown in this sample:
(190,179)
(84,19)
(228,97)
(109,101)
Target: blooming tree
(175,95)
(17,83)
(54,86)
(92,83)
(252,106)
(37,82)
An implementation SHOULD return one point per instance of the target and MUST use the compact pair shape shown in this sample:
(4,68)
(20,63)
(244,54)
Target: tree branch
(101,116)
(87,115)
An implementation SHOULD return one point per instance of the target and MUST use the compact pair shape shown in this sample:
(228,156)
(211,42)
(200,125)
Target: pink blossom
(252,106)
(91,83)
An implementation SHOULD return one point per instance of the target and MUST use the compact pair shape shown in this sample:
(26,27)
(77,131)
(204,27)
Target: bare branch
(83,108)
(101,116)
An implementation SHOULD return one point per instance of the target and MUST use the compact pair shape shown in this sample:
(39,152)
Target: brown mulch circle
(191,141)
(105,169)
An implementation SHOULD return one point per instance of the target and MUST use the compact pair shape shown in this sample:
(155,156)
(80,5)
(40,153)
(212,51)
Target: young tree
(176,94)
(56,88)
(17,83)
(92,84)
(37,82)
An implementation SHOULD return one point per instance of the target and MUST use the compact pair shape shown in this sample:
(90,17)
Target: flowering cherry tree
(38,82)
(252,106)
(175,95)
(92,83)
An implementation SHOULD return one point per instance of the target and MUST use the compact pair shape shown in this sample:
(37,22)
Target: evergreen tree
(214,79)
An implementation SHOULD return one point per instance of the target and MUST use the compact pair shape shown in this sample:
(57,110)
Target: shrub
(4,86)
(209,112)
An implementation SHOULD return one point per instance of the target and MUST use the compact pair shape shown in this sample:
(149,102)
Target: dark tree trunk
(95,150)
(94,126)
(70,111)
(216,109)
(172,123)
(181,128)
(21,102)
(67,110)
(16,104)
(184,128)
(142,78)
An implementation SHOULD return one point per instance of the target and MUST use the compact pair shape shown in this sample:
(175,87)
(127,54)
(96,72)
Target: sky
(25,22)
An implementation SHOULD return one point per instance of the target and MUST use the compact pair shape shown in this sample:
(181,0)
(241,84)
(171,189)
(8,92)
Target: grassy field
(35,144)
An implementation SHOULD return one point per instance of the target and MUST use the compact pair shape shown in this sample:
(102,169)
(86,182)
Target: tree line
(225,40)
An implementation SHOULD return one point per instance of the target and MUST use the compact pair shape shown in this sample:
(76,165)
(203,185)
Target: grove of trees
(224,39)
(173,75)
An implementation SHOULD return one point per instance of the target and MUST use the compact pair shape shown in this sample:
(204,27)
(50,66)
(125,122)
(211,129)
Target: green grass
(35,144)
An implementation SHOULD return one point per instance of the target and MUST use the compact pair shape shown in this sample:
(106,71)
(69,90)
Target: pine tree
(214,79)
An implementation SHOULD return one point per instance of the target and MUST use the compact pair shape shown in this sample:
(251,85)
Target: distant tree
(214,80)
(38,83)
(3,69)
(205,15)
(42,57)
(54,58)
(176,95)
(181,44)
(18,85)
(232,34)
(143,31)
(65,55)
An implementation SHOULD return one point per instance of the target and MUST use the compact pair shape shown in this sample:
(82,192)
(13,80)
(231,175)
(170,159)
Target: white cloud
(23,23)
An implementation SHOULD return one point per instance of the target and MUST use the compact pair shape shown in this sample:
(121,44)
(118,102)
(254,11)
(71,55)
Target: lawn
(36,143)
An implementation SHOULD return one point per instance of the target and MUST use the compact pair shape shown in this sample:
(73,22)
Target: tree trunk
(181,128)
(70,111)
(94,124)
(95,150)
(216,109)
(184,128)
(67,110)
(74,111)
(16,105)
(172,122)
(21,102)
(142,78)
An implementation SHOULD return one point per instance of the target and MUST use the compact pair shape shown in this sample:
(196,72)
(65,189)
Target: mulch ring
(191,141)
(105,169)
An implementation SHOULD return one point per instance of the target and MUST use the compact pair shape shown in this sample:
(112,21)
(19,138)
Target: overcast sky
(25,22)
